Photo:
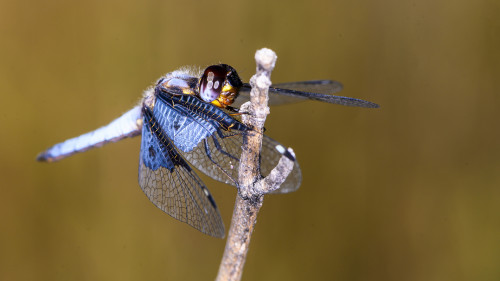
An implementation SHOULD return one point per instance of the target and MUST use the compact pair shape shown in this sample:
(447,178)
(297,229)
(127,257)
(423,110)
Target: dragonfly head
(220,85)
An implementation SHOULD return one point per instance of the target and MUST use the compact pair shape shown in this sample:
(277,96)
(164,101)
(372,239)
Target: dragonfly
(191,119)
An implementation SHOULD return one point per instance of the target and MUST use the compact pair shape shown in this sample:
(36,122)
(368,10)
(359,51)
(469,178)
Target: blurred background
(410,191)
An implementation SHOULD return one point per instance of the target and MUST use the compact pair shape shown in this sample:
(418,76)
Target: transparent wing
(170,183)
(319,90)
(218,157)
(219,139)
(315,86)
(269,160)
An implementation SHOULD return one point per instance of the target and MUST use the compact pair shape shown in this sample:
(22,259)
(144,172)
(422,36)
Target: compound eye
(212,82)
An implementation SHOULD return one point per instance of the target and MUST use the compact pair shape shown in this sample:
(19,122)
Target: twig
(252,186)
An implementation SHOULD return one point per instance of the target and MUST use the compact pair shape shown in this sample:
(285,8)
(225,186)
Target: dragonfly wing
(315,86)
(319,90)
(277,98)
(347,101)
(124,126)
(218,157)
(170,183)
(214,140)
(269,160)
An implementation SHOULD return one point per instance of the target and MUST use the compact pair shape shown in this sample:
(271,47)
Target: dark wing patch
(170,183)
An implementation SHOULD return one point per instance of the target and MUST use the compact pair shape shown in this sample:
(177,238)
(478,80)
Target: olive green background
(410,191)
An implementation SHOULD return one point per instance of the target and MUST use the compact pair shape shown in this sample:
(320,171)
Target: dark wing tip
(373,105)
(285,152)
(346,101)
(221,234)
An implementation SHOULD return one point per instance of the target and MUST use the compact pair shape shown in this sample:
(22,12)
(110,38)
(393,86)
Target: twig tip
(266,58)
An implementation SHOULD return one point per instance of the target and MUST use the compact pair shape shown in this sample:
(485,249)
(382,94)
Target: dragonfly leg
(209,156)
(220,149)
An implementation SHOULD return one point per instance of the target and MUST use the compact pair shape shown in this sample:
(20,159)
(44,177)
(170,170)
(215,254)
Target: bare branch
(252,187)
